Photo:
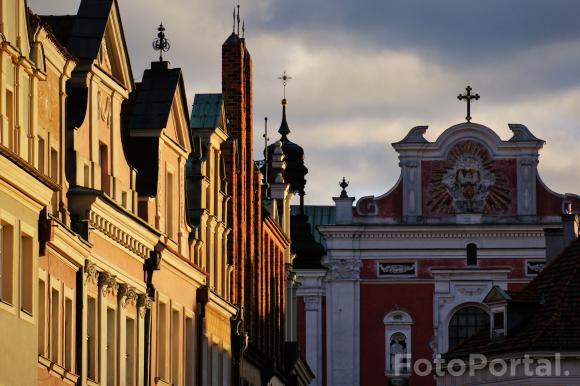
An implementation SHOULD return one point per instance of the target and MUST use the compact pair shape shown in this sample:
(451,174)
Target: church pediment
(467,175)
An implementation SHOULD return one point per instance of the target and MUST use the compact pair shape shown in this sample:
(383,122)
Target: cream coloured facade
(114,210)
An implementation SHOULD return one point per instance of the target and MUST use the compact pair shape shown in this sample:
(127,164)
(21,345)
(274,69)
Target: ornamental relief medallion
(342,269)
(469,181)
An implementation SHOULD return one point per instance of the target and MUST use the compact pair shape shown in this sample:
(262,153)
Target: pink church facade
(407,271)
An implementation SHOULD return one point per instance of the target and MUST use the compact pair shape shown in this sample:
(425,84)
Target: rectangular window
(130,369)
(6,262)
(189,352)
(111,347)
(92,346)
(26,274)
(215,365)
(104,165)
(226,368)
(169,203)
(54,324)
(87,175)
(175,346)
(162,349)
(41,155)
(68,334)
(41,317)
(12,140)
(124,199)
(54,164)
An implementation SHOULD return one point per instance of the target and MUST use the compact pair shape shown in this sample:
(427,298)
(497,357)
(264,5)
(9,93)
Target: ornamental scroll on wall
(469,181)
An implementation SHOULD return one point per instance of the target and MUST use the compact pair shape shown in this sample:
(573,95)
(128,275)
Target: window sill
(24,315)
(4,305)
(92,383)
(57,370)
(162,382)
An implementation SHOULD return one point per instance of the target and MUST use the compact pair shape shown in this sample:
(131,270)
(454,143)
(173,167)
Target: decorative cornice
(105,226)
(328,234)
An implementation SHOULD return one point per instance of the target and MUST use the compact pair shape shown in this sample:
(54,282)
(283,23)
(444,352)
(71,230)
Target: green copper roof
(206,111)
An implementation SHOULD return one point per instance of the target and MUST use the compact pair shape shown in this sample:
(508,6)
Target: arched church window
(471,254)
(397,342)
(466,322)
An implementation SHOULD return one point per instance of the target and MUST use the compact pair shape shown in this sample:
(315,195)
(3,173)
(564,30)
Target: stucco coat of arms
(468,181)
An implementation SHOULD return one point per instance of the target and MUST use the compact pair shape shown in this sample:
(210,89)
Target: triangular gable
(178,122)
(496,294)
(98,36)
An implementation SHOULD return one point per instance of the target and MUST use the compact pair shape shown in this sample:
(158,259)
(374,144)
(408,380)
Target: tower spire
(234,21)
(284,129)
(238,18)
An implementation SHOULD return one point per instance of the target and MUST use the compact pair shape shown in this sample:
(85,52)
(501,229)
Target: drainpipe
(151,265)
(202,297)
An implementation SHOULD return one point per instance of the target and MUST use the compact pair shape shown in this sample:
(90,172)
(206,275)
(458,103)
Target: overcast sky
(366,71)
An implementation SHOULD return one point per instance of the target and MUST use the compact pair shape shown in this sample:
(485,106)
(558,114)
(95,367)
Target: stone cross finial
(343,184)
(468,97)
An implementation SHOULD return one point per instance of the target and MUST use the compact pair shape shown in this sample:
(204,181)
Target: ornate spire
(284,130)
(161,43)
(343,184)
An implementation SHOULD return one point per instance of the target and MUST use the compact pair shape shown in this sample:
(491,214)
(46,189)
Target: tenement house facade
(135,245)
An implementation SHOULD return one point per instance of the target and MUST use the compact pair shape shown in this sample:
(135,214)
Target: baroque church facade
(138,242)
(408,272)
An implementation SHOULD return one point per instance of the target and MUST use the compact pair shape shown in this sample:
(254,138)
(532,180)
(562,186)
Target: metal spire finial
(343,184)
(161,43)
(238,18)
(284,78)
(243,28)
(234,21)
(468,97)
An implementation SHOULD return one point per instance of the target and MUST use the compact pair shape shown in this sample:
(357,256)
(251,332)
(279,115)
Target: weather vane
(468,97)
(284,78)
(161,43)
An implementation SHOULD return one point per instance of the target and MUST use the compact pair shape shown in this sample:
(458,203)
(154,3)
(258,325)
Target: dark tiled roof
(553,302)
(61,26)
(148,107)
(87,33)
(308,252)
(206,111)
(152,99)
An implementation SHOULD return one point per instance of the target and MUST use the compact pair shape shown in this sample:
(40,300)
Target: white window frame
(397,321)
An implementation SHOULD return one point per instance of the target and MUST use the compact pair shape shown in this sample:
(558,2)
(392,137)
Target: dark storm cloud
(464,29)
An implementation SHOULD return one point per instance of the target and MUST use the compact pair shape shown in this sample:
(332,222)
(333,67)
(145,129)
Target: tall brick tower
(237,91)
